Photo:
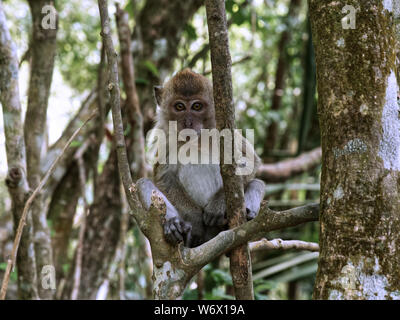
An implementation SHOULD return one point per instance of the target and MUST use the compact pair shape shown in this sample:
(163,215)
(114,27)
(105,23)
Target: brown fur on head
(188,99)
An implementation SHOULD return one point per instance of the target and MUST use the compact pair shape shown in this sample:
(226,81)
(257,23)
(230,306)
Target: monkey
(193,193)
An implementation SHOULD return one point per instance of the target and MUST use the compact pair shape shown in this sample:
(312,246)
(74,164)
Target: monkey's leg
(215,211)
(253,195)
(175,228)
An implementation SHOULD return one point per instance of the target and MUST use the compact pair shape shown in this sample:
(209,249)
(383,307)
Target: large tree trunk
(15,148)
(360,132)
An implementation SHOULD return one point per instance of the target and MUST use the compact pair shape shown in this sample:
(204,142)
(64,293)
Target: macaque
(193,193)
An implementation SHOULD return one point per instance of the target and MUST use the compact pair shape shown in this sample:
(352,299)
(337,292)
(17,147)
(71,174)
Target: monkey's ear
(158,90)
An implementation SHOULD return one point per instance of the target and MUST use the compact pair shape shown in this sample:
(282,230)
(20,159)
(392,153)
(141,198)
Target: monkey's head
(187,98)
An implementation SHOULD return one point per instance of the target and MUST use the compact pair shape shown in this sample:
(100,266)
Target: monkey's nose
(188,123)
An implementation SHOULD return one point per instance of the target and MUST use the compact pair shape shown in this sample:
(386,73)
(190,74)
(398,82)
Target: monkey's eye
(197,106)
(179,106)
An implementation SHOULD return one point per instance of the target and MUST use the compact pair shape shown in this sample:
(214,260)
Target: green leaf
(75,144)
(127,130)
(141,81)
(130,9)
(151,67)
(191,32)
(239,17)
(221,277)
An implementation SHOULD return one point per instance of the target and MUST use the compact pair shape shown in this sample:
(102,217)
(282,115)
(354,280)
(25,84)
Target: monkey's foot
(177,230)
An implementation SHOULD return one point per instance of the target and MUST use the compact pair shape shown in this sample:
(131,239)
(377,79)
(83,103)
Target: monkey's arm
(254,194)
(175,228)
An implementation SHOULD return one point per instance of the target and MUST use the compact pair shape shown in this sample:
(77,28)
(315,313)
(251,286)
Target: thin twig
(11,261)
(241,60)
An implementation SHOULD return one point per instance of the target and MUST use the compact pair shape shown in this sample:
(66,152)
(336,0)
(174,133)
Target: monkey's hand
(214,214)
(177,230)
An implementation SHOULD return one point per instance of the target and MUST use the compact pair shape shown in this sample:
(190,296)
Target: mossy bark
(360,133)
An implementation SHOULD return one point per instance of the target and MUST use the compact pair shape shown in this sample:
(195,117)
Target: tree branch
(113,87)
(279,244)
(132,100)
(286,169)
(266,221)
(241,60)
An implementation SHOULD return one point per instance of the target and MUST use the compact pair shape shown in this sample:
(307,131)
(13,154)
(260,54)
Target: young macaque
(193,193)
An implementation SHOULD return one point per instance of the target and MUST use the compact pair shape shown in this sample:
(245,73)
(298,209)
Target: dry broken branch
(279,244)
(283,170)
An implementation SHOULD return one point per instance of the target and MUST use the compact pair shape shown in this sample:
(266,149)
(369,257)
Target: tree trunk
(15,148)
(360,132)
(43,50)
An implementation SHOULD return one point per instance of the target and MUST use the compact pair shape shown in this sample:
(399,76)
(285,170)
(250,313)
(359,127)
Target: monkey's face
(193,112)
(187,99)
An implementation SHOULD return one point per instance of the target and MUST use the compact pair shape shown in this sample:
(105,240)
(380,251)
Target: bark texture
(15,148)
(360,132)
